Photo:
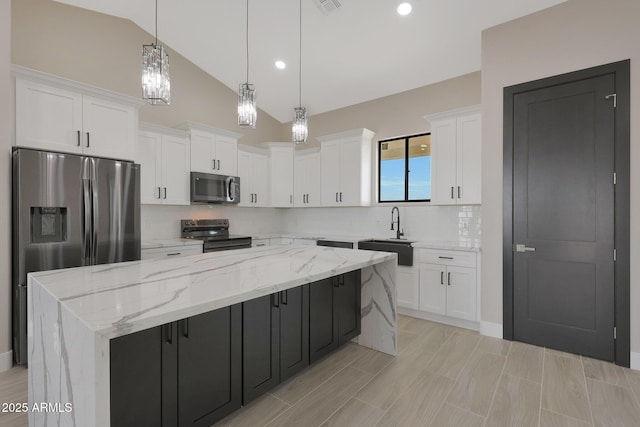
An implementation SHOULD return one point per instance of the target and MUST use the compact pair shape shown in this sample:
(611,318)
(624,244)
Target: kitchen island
(75,313)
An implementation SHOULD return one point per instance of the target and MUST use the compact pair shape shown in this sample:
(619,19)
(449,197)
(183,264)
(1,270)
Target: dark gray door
(563,216)
(323,320)
(348,304)
(294,331)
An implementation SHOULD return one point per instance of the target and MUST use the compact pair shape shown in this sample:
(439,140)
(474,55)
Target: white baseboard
(438,318)
(6,361)
(635,361)
(491,329)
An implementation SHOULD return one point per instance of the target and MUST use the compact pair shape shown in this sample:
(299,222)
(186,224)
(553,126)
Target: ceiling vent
(328,6)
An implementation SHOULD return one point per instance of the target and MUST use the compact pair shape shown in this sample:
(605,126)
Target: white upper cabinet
(306,185)
(61,115)
(253,170)
(280,174)
(345,162)
(456,139)
(213,150)
(163,155)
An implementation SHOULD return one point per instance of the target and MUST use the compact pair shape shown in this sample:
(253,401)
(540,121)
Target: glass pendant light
(299,130)
(156,85)
(247,111)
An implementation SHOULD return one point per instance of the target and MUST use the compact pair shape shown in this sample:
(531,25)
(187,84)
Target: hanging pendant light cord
(156,22)
(300,55)
(247,39)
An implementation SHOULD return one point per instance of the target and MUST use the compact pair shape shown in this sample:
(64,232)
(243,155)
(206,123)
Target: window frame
(406,168)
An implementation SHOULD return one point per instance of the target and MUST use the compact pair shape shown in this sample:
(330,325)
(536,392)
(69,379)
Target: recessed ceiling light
(280,65)
(404,9)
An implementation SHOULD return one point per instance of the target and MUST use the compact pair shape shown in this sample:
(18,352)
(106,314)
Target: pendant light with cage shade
(247,111)
(156,84)
(300,130)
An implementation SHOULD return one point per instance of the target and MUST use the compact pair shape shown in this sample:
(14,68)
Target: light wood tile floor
(443,376)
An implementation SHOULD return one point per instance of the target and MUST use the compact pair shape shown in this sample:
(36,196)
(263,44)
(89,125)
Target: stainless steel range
(214,233)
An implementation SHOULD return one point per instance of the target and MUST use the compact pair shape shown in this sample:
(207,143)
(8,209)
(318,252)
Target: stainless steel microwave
(210,188)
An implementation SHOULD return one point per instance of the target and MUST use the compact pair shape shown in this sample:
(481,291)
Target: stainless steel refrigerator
(69,211)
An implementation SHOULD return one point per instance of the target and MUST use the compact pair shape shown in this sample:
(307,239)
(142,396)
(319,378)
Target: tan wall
(5,176)
(105,51)
(399,114)
(572,36)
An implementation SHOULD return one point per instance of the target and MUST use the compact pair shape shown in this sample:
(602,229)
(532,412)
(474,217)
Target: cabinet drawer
(444,257)
(170,252)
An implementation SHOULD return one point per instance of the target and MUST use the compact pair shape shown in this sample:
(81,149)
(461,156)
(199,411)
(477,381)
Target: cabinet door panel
(109,128)
(461,292)
(226,151)
(260,180)
(149,155)
(245,172)
(136,378)
(443,166)
(433,288)
(281,177)
(330,176)
(300,181)
(209,366)
(260,346)
(469,136)
(313,180)
(323,326)
(348,304)
(294,331)
(408,288)
(47,117)
(350,168)
(202,152)
(175,171)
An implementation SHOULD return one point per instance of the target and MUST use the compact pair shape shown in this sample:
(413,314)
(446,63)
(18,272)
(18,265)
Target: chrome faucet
(399,232)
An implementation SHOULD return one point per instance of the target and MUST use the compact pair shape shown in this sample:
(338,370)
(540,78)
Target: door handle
(449,278)
(78,138)
(336,197)
(185,328)
(458,191)
(442,277)
(285,297)
(159,193)
(290,199)
(168,333)
(214,164)
(174,254)
(522,248)
(88,144)
(276,299)
(256,197)
(218,164)
(341,196)
(452,192)
(445,257)
(165,192)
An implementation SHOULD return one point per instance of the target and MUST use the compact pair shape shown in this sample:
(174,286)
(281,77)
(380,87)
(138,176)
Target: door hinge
(615,333)
(615,178)
(615,99)
(615,254)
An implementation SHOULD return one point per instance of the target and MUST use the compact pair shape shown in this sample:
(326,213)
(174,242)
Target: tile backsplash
(419,222)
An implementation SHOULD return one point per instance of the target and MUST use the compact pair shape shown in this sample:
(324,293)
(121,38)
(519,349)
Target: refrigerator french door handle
(86,221)
(94,222)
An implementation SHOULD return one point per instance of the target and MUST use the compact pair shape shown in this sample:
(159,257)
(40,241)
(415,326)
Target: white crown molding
(456,112)
(152,127)
(19,71)
(253,149)
(350,134)
(189,126)
(307,151)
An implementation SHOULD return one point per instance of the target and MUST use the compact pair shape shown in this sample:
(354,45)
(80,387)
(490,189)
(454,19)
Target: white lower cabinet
(408,287)
(170,252)
(448,287)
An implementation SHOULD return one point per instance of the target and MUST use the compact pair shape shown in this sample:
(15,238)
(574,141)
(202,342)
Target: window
(404,169)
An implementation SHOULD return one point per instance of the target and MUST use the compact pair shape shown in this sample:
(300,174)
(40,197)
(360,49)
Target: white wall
(5,183)
(575,35)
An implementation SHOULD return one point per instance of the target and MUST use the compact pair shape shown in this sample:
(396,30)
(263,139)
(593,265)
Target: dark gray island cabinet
(186,341)
(196,371)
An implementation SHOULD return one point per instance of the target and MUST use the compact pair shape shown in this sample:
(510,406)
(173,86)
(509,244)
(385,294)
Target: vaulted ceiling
(360,51)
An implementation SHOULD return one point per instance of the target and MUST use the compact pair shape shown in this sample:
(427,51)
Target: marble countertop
(459,245)
(118,299)
(167,243)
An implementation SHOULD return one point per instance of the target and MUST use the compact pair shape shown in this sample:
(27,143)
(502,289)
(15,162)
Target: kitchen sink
(402,247)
